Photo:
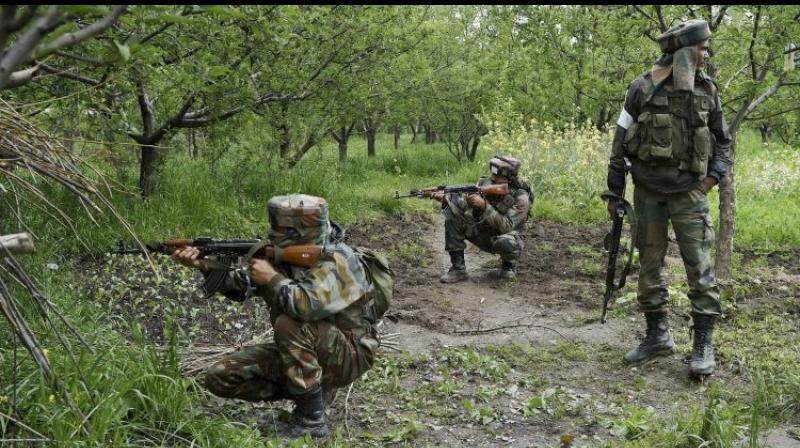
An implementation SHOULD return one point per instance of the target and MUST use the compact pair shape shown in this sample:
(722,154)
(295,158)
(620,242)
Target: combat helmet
(684,34)
(506,166)
(298,219)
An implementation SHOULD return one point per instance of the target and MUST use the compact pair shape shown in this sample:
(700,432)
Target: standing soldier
(674,134)
(492,223)
(322,316)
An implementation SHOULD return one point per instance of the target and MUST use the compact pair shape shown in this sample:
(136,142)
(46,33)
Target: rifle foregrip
(306,255)
(495,190)
(178,242)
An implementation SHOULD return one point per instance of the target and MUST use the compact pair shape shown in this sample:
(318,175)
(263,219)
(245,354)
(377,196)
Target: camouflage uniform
(495,229)
(322,338)
(673,131)
(668,190)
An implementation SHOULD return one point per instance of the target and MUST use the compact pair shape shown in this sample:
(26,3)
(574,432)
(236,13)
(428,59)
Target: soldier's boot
(458,269)
(308,416)
(702,362)
(508,271)
(657,342)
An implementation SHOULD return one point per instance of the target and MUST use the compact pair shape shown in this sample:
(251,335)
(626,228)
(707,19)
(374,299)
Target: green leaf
(123,50)
(217,71)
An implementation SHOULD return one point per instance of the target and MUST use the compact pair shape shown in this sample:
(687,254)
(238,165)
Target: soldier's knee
(507,247)
(285,327)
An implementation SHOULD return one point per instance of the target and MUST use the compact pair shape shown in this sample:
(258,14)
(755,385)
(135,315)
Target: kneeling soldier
(492,223)
(324,338)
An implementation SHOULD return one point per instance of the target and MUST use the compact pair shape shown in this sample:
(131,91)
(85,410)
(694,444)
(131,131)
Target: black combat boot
(657,342)
(458,270)
(508,271)
(308,416)
(702,360)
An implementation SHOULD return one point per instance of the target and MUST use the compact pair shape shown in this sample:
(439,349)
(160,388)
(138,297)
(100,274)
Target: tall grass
(568,170)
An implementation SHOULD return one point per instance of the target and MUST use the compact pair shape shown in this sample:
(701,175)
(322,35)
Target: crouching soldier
(492,223)
(322,318)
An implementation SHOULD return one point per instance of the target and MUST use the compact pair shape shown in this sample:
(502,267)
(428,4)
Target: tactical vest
(672,127)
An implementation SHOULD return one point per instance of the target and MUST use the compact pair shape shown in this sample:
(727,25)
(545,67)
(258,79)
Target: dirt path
(551,309)
(485,310)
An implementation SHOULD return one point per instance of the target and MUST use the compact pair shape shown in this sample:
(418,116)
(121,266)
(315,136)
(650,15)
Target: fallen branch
(505,327)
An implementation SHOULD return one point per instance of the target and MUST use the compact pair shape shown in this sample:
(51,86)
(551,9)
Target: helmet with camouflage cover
(684,34)
(506,166)
(298,219)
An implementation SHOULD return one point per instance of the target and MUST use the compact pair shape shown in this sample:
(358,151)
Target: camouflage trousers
(461,225)
(688,212)
(303,358)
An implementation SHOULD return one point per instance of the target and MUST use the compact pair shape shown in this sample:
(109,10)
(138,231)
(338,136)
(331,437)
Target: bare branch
(85,33)
(21,77)
(661,23)
(764,117)
(22,48)
(66,74)
(756,21)
(82,58)
(720,15)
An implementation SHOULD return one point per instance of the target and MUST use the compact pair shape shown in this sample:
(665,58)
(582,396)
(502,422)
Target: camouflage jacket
(506,213)
(332,290)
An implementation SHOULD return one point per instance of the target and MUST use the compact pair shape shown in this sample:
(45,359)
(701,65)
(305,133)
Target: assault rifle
(486,190)
(611,243)
(221,256)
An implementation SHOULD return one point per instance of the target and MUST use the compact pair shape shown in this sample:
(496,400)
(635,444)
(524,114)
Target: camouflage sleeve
(230,288)
(628,116)
(722,158)
(505,223)
(323,291)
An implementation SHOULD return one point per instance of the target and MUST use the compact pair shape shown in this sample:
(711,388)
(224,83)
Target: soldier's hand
(261,271)
(188,256)
(612,208)
(437,196)
(708,183)
(476,201)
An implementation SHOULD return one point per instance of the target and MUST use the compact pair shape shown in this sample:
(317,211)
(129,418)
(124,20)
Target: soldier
(673,132)
(492,223)
(324,334)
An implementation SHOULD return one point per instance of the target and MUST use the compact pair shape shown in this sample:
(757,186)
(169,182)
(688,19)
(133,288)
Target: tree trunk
(766,131)
(397,136)
(727,212)
(193,152)
(286,139)
(149,170)
(342,138)
(474,150)
(428,135)
(371,132)
(414,130)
